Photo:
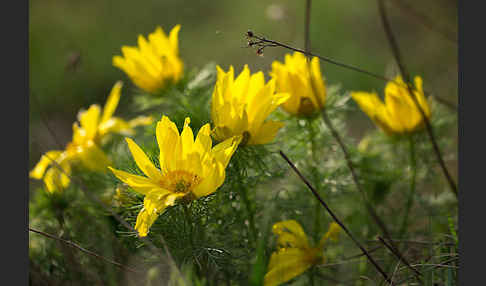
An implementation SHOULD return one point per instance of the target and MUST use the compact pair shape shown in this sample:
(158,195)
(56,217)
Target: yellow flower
(303,81)
(190,169)
(56,178)
(153,63)
(398,114)
(294,254)
(240,106)
(85,145)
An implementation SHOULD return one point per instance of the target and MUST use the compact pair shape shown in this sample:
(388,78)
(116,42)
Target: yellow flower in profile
(240,107)
(303,81)
(189,169)
(58,166)
(153,63)
(294,254)
(95,129)
(398,114)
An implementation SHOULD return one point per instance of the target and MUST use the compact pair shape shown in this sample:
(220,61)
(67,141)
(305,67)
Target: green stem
(411,195)
(188,217)
(315,178)
(311,276)
(251,220)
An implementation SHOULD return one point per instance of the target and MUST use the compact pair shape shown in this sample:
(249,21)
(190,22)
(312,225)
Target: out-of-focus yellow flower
(294,254)
(398,114)
(189,169)
(96,126)
(58,167)
(303,81)
(240,107)
(153,63)
(85,145)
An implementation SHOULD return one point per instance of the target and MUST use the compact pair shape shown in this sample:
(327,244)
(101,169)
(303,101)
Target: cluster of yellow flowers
(54,167)
(190,167)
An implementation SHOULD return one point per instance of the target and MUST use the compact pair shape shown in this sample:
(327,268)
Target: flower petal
(89,120)
(332,233)
(215,175)
(203,142)
(92,157)
(286,265)
(140,184)
(318,82)
(114,125)
(44,163)
(267,132)
(112,102)
(57,180)
(145,220)
(174,39)
(168,139)
(140,121)
(224,150)
(187,139)
(291,227)
(143,161)
(419,93)
(372,105)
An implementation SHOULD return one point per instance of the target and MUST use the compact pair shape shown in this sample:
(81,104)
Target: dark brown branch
(400,257)
(336,219)
(422,19)
(117,217)
(334,280)
(307,25)
(446,103)
(74,245)
(98,201)
(261,43)
(415,242)
(405,74)
(351,168)
(361,254)
(44,120)
(442,264)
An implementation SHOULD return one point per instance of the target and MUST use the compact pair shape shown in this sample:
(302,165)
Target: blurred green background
(71,45)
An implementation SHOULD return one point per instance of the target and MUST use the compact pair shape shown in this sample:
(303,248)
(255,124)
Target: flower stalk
(404,72)
(411,194)
(336,219)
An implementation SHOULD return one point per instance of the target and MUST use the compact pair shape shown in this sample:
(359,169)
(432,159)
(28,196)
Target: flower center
(180,181)
(246,138)
(306,106)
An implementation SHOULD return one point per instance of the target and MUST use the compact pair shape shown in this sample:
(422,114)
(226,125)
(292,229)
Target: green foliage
(226,238)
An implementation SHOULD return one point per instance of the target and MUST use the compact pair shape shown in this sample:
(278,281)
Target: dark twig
(334,280)
(99,202)
(422,19)
(44,120)
(400,257)
(442,264)
(261,43)
(117,217)
(74,245)
(307,25)
(337,220)
(415,242)
(335,134)
(446,103)
(349,162)
(361,254)
(405,74)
